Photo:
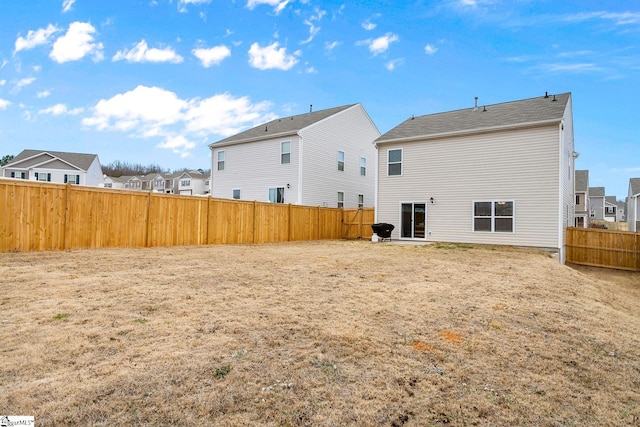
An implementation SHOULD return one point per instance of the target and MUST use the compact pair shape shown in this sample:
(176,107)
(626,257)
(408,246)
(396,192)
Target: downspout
(300,162)
(375,187)
(561,192)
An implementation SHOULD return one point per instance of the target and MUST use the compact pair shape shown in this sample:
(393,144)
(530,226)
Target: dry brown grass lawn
(318,334)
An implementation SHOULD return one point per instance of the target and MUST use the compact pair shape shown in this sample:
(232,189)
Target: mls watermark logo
(16,420)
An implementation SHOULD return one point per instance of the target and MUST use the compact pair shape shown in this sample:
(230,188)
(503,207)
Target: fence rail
(38,216)
(603,248)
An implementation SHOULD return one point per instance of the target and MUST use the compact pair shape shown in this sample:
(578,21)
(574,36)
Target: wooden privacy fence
(37,216)
(603,248)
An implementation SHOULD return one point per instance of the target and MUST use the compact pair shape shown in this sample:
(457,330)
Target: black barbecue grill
(383,230)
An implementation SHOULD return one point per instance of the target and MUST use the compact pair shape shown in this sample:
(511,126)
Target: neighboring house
(597,205)
(494,174)
(621,212)
(322,158)
(633,205)
(153,182)
(116,182)
(610,208)
(55,166)
(191,183)
(582,199)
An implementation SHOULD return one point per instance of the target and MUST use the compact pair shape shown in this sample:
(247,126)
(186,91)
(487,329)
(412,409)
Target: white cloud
(618,18)
(278,5)
(182,4)
(212,56)
(35,38)
(3,82)
(391,65)
(270,56)
(177,144)
(44,94)
(381,44)
(4,104)
(430,49)
(368,25)
(313,29)
(152,112)
(330,46)
(142,53)
(25,82)
(60,109)
(66,5)
(77,43)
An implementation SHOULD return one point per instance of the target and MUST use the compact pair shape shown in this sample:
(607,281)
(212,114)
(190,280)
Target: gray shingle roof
(635,186)
(281,126)
(82,161)
(582,180)
(525,111)
(611,199)
(596,191)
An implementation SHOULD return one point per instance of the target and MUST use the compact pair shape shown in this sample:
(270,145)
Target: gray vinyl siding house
(322,158)
(633,205)
(582,199)
(597,200)
(495,174)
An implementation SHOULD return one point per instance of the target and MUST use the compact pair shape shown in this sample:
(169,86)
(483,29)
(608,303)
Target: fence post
(148,220)
(290,222)
(67,207)
(255,214)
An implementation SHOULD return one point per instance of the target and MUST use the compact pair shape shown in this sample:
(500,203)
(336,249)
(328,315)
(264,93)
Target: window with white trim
(394,162)
(72,178)
(340,199)
(236,194)
(108,185)
(360,200)
(221,160)
(43,177)
(493,216)
(341,160)
(363,166)
(276,195)
(18,175)
(285,152)
(185,183)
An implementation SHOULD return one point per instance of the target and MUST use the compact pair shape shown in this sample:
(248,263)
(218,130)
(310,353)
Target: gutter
(256,138)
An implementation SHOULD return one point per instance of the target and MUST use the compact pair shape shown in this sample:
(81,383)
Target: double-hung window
(276,195)
(394,162)
(18,175)
(46,177)
(340,199)
(285,152)
(73,179)
(220,160)
(363,166)
(493,216)
(236,194)
(360,200)
(341,160)
(185,183)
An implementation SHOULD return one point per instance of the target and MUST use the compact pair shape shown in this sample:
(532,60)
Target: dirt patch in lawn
(317,334)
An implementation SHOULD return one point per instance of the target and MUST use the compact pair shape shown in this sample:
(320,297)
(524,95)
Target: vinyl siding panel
(521,165)
(255,167)
(353,132)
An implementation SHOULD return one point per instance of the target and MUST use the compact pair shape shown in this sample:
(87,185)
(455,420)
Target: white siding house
(55,166)
(322,158)
(633,205)
(495,174)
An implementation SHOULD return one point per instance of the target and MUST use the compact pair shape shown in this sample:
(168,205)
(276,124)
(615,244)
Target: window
(363,166)
(108,185)
(341,160)
(577,199)
(394,162)
(340,199)
(18,175)
(276,195)
(236,194)
(185,183)
(45,177)
(285,152)
(360,200)
(73,179)
(220,160)
(493,216)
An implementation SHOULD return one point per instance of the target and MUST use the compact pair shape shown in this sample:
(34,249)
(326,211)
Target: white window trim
(219,161)
(426,213)
(343,161)
(363,166)
(493,216)
(233,193)
(282,152)
(338,199)
(401,161)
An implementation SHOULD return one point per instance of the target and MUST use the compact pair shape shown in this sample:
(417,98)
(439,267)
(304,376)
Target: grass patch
(61,316)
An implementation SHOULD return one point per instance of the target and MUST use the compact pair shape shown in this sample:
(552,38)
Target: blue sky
(156,81)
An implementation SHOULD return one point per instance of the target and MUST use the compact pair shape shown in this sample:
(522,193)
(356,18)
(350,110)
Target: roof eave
(254,139)
(471,131)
